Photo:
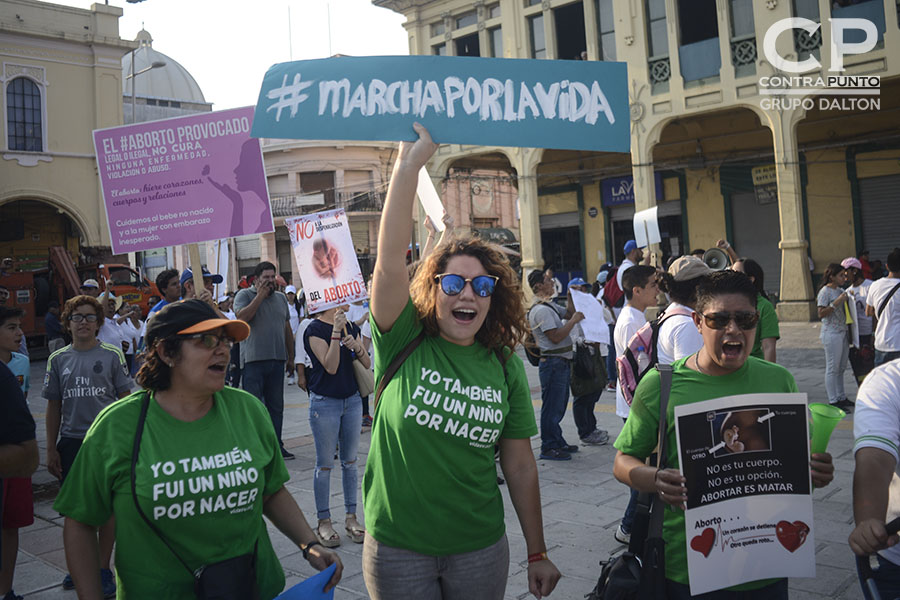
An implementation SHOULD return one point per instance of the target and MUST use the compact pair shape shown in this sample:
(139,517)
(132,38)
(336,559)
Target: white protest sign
(594,325)
(430,200)
(749,508)
(217,262)
(326,259)
(646,227)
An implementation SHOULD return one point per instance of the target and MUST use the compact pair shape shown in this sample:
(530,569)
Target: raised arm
(390,285)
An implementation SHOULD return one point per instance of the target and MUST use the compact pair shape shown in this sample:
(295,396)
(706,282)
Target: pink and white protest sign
(177,181)
(326,258)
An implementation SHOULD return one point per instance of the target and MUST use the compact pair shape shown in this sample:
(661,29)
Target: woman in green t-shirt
(434,512)
(767,332)
(725,314)
(208,468)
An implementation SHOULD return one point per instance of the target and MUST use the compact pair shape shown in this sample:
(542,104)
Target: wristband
(305,549)
(537,557)
(335,338)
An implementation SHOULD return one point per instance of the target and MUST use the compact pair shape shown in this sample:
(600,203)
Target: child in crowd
(16,499)
(82,379)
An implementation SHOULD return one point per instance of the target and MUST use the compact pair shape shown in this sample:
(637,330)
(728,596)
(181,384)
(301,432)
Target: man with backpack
(641,289)
(552,338)
(883,303)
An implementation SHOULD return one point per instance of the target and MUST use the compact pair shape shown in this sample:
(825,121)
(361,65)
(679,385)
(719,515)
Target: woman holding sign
(434,513)
(726,317)
(188,467)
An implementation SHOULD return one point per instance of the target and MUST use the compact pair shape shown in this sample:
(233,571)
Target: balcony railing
(660,72)
(290,205)
(743,55)
(360,201)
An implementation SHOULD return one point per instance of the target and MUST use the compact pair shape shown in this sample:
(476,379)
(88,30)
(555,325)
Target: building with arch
(60,80)
(722,144)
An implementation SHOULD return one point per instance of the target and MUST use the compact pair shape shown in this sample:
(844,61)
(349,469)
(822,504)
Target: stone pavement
(582,502)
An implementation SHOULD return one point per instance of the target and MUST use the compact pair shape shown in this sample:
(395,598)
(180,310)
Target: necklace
(697,363)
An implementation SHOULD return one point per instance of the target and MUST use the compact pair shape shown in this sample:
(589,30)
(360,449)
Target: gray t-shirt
(544,317)
(86,382)
(266,341)
(836,322)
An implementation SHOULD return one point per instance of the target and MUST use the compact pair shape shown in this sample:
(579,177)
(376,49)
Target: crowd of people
(164,459)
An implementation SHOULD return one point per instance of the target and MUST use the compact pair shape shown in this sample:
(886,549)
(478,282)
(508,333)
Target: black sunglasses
(209,340)
(452,284)
(746,320)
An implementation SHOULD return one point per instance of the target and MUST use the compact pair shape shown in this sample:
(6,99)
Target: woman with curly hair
(434,513)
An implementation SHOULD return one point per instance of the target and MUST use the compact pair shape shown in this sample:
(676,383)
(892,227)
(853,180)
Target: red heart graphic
(791,535)
(703,543)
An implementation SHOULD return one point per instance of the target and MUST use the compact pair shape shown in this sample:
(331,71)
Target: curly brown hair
(76,301)
(505,324)
(154,374)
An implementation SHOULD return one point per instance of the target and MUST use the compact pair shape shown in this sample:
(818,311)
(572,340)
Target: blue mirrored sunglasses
(452,284)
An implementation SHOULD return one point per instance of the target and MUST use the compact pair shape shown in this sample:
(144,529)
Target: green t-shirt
(202,484)
(767,327)
(639,436)
(430,484)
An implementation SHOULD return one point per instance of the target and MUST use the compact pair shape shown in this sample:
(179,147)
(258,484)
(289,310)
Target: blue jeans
(583,411)
(886,578)
(554,375)
(837,354)
(612,374)
(335,423)
(883,357)
(265,380)
(775,591)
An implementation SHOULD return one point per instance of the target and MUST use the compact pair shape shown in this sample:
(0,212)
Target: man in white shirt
(883,303)
(641,289)
(633,256)
(110,332)
(875,492)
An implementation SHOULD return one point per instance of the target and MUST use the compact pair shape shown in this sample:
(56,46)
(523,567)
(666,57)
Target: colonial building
(721,141)
(60,79)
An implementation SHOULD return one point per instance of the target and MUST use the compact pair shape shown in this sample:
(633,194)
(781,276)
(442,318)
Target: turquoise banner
(562,104)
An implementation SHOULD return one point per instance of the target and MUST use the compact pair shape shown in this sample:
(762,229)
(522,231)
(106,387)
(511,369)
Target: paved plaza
(582,502)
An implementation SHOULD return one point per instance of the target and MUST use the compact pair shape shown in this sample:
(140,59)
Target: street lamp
(155,65)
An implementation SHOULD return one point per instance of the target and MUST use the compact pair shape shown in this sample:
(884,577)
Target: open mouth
(465,315)
(732,349)
(218,368)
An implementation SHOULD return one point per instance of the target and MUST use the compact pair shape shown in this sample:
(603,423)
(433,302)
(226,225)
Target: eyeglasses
(453,285)
(78,318)
(746,320)
(209,340)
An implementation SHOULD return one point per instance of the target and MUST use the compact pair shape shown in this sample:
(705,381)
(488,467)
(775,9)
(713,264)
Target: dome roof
(171,82)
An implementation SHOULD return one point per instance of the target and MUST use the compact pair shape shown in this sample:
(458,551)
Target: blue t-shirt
(343,383)
(20,367)
(157,306)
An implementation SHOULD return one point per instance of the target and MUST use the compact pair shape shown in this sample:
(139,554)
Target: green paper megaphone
(824,419)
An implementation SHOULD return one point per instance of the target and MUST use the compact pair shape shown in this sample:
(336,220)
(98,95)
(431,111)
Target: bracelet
(537,557)
(336,338)
(305,549)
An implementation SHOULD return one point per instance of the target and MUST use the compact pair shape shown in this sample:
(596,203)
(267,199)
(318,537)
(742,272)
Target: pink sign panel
(188,179)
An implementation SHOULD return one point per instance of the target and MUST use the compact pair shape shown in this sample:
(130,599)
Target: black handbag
(583,364)
(230,579)
(640,571)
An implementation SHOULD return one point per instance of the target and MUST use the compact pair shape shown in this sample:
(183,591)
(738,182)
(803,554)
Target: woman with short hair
(434,512)
(188,467)
(835,335)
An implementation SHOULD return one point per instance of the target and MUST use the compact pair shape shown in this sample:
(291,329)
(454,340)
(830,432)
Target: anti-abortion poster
(326,258)
(749,509)
(564,104)
(182,180)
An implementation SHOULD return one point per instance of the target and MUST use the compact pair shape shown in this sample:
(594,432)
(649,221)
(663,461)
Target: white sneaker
(291,380)
(621,536)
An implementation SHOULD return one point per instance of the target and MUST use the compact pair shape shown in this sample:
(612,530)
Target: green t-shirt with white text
(430,484)
(201,484)
(639,436)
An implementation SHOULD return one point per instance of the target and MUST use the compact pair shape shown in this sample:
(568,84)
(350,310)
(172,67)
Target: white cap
(222,298)
(290,290)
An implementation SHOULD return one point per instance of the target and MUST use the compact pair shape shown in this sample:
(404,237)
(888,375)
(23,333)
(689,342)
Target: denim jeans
(886,578)
(837,353)
(554,375)
(583,411)
(335,424)
(392,573)
(265,380)
(775,591)
(612,374)
(883,357)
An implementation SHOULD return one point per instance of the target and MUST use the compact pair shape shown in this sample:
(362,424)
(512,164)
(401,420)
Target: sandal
(355,531)
(330,539)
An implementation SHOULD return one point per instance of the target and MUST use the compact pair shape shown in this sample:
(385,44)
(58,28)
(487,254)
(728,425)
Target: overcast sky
(227,45)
